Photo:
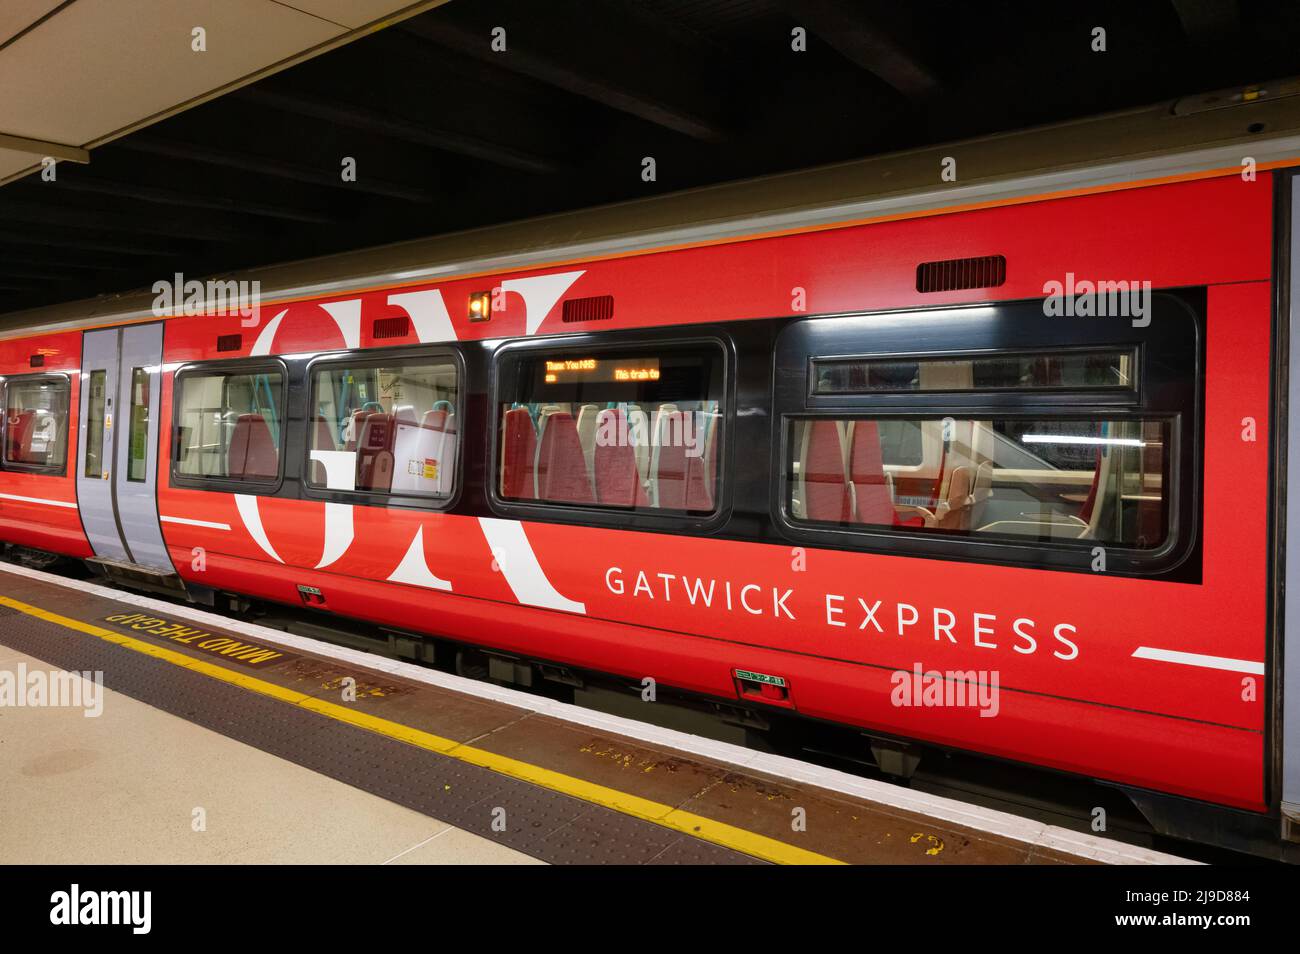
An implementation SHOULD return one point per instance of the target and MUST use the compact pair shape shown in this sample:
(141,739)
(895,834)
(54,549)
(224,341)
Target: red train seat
(518,455)
(821,472)
(20,428)
(252,452)
(668,466)
(872,500)
(561,466)
(702,468)
(375,452)
(353,432)
(617,479)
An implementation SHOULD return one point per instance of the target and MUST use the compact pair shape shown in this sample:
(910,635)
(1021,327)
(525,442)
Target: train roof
(1196,136)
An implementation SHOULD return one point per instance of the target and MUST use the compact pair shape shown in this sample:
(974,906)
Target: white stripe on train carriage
(246,504)
(935,807)
(187,521)
(347,315)
(428,313)
(340,474)
(414,568)
(1197,659)
(267,335)
(517,562)
(540,293)
(39,500)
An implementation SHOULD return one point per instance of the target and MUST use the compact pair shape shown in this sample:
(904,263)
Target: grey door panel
(135,481)
(117,456)
(95,461)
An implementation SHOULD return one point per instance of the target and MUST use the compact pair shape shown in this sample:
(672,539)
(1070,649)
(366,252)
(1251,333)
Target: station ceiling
(209,163)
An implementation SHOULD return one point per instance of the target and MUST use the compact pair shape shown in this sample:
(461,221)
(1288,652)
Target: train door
(117,457)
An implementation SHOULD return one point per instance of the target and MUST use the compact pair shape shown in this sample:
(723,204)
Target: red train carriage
(775,444)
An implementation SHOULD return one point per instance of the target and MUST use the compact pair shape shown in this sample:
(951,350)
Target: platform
(299,750)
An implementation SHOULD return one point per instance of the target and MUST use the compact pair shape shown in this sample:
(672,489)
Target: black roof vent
(230,342)
(954,274)
(38,361)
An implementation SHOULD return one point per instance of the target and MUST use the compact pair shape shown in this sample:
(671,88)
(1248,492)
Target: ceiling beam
(626,73)
(174,198)
(275,168)
(1205,20)
(39,147)
(11,270)
(113,221)
(375,121)
(84,242)
(60,259)
(856,31)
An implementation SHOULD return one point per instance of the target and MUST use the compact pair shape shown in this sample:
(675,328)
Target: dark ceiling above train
(449,133)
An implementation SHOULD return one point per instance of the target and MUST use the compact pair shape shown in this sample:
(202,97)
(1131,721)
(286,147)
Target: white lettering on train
(703,592)
(872,615)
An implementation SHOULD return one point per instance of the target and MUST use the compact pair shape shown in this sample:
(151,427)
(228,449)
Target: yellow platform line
(697,826)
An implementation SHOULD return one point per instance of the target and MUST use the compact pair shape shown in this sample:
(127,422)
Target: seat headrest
(252,452)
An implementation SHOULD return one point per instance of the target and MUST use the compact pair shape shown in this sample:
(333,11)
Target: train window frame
(1127,393)
(232,366)
(18,467)
(104,436)
(1154,398)
(639,339)
(131,423)
(407,354)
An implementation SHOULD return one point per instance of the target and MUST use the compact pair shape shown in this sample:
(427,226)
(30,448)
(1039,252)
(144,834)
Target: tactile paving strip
(547,825)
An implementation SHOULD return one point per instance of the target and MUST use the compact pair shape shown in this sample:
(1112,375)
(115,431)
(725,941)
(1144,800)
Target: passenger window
(387,427)
(1069,370)
(97,394)
(138,436)
(36,424)
(1044,479)
(228,424)
(631,429)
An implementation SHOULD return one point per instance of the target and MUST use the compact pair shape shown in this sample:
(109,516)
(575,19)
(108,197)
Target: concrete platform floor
(299,770)
(126,788)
